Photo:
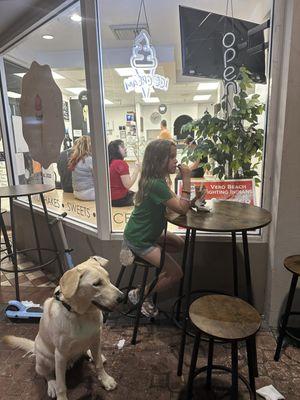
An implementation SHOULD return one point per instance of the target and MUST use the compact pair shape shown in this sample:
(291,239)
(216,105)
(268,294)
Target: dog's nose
(121,298)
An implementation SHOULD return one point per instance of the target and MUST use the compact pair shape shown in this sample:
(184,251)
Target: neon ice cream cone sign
(144,63)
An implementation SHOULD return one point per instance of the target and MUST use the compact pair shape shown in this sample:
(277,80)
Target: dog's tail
(19,343)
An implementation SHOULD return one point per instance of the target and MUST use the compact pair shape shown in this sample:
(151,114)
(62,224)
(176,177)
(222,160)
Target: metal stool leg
(286,316)
(189,393)
(117,284)
(235,266)
(35,231)
(139,306)
(186,245)
(14,248)
(188,284)
(157,272)
(234,373)
(120,276)
(210,362)
(249,292)
(51,233)
(130,283)
(250,367)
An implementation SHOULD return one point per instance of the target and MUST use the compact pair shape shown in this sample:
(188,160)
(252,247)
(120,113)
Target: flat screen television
(202,50)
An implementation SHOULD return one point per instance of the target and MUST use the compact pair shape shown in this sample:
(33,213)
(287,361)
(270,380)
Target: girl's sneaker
(148,308)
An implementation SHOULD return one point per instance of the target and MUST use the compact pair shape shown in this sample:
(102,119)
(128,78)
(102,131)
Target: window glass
(59,115)
(164,68)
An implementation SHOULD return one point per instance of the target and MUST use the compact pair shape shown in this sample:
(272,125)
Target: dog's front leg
(107,381)
(60,374)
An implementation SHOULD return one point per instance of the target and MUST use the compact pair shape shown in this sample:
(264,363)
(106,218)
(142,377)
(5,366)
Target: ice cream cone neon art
(144,63)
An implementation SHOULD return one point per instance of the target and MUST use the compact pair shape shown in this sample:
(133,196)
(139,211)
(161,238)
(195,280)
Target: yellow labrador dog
(71,325)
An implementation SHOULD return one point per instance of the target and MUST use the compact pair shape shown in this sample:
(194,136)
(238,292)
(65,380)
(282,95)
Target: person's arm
(127,180)
(194,165)
(181,205)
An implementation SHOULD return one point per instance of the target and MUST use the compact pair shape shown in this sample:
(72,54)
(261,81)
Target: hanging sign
(144,63)
(241,190)
(41,109)
(229,74)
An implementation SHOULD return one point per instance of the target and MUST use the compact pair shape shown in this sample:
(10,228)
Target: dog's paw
(103,358)
(108,382)
(51,389)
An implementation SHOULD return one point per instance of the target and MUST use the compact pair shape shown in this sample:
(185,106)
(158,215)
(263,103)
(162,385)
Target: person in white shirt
(81,165)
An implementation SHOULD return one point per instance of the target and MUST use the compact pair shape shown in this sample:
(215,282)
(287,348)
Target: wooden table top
(225,216)
(24,190)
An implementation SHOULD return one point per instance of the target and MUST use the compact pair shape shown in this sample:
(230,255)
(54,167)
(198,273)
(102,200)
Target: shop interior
(128,116)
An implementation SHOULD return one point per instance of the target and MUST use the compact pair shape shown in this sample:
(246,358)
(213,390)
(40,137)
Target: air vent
(127,32)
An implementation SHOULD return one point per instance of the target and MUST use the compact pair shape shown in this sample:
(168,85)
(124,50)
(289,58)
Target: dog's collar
(66,305)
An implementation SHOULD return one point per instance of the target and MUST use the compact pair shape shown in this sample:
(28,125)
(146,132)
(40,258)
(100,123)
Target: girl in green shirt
(143,232)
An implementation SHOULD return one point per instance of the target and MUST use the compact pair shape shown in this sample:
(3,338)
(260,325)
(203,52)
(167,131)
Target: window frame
(92,49)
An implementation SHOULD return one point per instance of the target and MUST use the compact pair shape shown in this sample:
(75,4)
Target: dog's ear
(102,261)
(69,282)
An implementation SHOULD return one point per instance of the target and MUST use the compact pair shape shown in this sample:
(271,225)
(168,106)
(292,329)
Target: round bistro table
(13,192)
(225,216)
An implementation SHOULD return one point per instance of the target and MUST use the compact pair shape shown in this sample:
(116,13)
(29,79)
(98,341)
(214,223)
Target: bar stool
(232,320)
(292,264)
(137,263)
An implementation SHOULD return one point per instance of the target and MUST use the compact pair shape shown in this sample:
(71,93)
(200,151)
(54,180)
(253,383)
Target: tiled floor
(30,279)
(144,372)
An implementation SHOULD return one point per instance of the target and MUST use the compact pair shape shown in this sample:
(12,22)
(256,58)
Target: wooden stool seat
(292,263)
(224,317)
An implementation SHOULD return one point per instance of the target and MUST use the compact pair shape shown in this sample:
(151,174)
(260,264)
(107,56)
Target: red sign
(242,190)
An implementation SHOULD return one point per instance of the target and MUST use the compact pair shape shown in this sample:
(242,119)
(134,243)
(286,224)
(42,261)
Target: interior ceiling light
(55,75)
(13,95)
(75,90)
(48,37)
(106,102)
(125,71)
(76,17)
(151,100)
(202,97)
(208,86)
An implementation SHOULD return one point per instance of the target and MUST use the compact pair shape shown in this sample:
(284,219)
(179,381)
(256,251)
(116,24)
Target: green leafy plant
(232,142)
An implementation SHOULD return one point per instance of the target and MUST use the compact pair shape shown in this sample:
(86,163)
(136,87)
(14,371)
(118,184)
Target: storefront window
(163,67)
(42,152)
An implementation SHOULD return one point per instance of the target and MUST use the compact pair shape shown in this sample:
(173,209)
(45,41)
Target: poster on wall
(41,109)
(241,190)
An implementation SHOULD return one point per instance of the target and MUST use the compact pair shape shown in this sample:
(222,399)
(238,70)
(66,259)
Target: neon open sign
(144,63)
(229,74)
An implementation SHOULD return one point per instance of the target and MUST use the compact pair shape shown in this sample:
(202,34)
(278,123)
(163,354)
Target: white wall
(116,116)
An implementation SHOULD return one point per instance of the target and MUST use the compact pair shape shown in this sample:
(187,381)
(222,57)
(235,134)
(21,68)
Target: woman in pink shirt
(120,179)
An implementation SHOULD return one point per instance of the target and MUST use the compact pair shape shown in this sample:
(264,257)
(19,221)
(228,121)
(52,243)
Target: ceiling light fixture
(55,75)
(76,17)
(208,86)
(107,102)
(151,100)
(202,97)
(48,37)
(125,71)
(13,95)
(75,90)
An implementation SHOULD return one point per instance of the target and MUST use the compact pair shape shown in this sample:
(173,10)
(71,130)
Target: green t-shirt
(147,220)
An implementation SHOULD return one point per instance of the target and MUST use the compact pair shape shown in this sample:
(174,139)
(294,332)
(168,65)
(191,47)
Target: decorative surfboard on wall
(42,114)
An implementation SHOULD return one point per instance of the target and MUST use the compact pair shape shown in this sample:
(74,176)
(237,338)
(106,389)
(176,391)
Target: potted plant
(231,140)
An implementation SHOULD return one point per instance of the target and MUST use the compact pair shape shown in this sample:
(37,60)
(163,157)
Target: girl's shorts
(138,251)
